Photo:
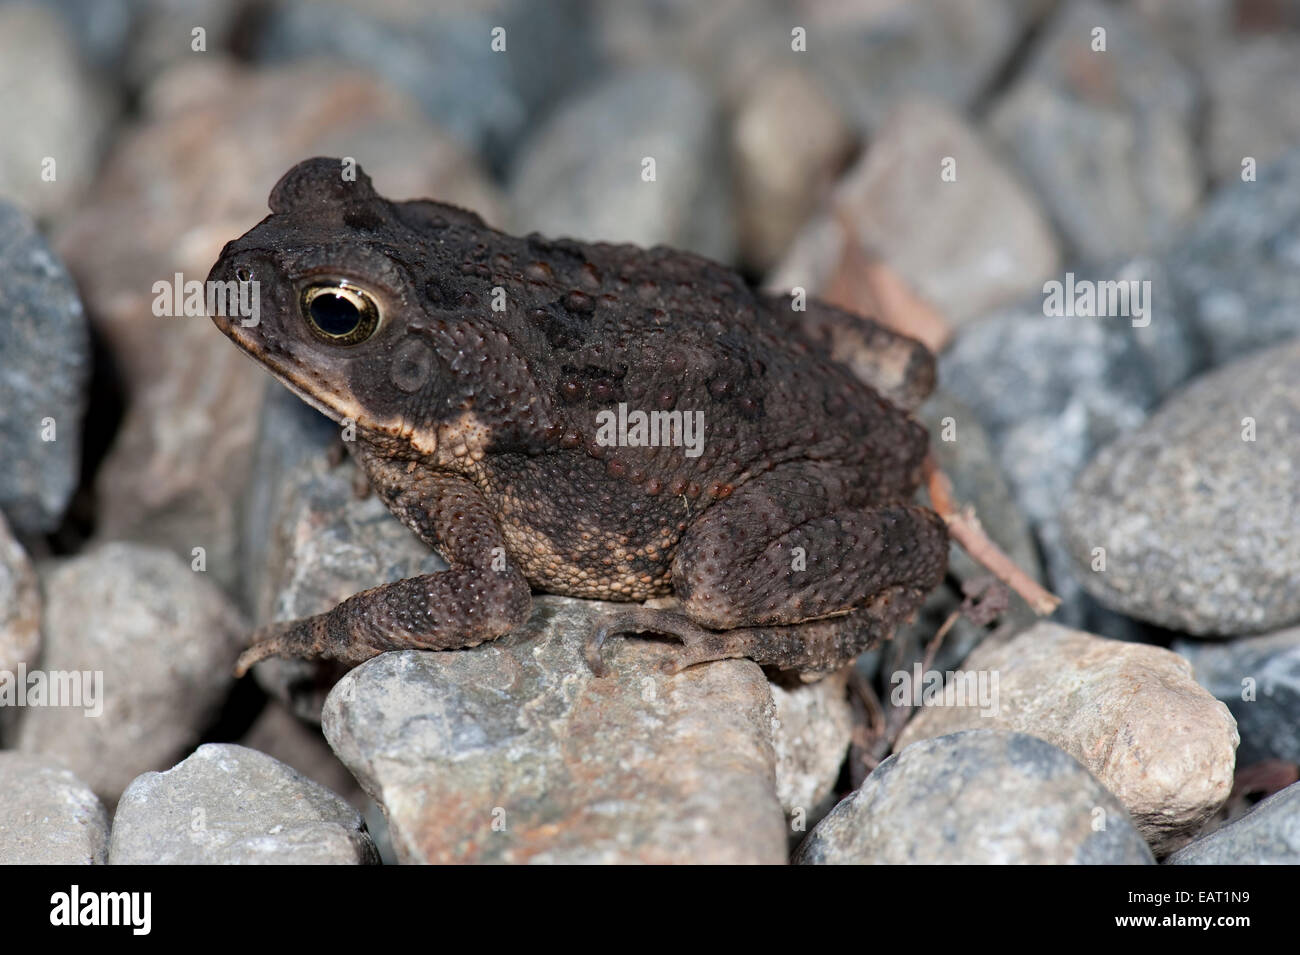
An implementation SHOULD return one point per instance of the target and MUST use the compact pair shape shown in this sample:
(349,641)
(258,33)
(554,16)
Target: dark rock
(1267,835)
(44,371)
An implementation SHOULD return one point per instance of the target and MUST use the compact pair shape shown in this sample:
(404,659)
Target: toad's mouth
(320,397)
(316,392)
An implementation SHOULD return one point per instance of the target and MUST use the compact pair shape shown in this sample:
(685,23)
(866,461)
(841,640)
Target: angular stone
(229,805)
(162,641)
(514,752)
(47,815)
(44,372)
(1169,758)
(1188,507)
(980,797)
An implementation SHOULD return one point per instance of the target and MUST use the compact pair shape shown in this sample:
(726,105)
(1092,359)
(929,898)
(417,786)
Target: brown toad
(593,420)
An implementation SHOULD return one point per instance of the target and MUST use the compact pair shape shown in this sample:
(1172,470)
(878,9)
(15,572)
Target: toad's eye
(339,313)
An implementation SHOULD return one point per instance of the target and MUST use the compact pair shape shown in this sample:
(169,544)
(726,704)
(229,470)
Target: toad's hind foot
(811,647)
(698,644)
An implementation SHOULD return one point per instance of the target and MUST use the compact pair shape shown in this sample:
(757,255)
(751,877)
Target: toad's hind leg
(797,571)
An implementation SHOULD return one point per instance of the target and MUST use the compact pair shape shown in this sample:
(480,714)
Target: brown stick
(965,529)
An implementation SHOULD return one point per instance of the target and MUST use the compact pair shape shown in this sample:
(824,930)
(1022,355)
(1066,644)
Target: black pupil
(334,314)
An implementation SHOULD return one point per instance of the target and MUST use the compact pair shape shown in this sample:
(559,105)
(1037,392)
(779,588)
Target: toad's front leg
(480,597)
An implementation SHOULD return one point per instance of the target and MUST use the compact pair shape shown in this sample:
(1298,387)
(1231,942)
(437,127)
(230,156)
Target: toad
(593,420)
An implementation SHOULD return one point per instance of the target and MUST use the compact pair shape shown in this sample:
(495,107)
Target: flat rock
(1258,678)
(229,805)
(1106,137)
(177,184)
(47,815)
(1239,264)
(44,372)
(159,642)
(1195,521)
(980,797)
(513,752)
(995,244)
(53,110)
(1131,714)
(1267,835)
(599,139)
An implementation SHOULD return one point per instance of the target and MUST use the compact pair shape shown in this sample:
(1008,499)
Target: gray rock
(20,615)
(1240,264)
(981,797)
(44,371)
(513,752)
(1051,390)
(995,244)
(1169,761)
(47,815)
(1195,521)
(442,57)
(1259,679)
(52,110)
(1253,88)
(1105,137)
(1267,835)
(155,644)
(580,174)
(811,736)
(229,805)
